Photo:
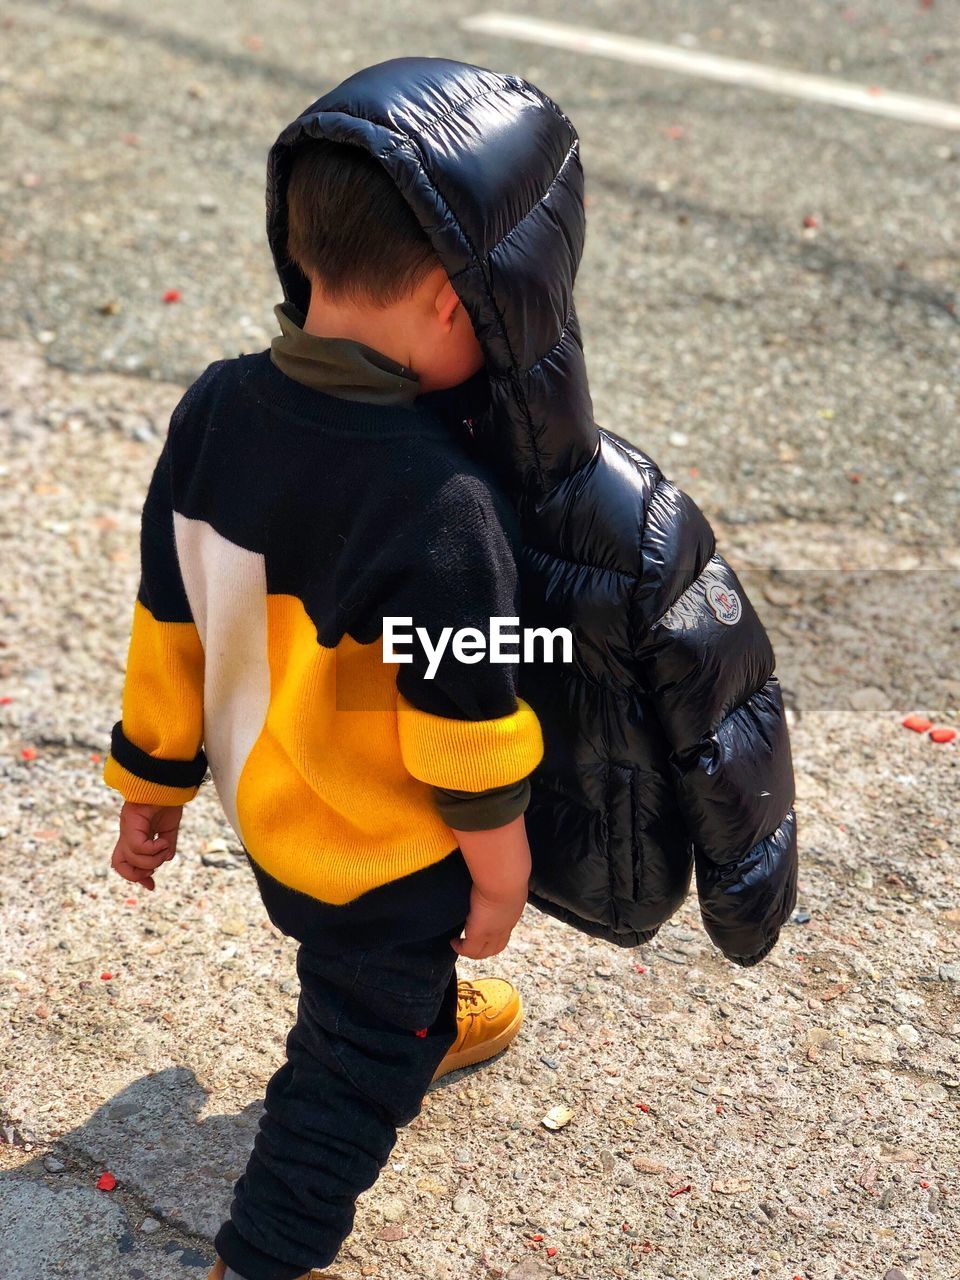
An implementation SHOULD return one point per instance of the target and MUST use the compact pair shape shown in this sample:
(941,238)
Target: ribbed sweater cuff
(139,790)
(469,755)
(145,779)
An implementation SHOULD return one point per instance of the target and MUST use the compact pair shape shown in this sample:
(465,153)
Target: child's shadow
(175,1166)
(172,1164)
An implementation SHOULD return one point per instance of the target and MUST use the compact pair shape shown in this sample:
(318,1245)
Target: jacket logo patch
(725,604)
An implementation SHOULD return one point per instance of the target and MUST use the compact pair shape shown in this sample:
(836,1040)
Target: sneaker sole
(487,1049)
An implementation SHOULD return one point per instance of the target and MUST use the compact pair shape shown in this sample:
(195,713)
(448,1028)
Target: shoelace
(467,993)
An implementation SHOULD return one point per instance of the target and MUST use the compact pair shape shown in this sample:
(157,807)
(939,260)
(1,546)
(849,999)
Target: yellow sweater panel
(327,799)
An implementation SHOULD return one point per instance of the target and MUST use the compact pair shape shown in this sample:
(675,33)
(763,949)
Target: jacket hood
(490,166)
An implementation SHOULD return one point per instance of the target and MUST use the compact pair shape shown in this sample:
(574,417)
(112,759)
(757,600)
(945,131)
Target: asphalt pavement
(769,304)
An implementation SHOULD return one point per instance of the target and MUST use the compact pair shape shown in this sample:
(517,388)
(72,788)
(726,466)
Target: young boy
(304,495)
(426,219)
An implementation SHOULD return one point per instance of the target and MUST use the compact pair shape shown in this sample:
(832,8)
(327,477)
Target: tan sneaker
(489,1015)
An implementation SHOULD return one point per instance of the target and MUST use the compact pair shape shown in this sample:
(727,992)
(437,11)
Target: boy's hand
(499,862)
(490,922)
(148,838)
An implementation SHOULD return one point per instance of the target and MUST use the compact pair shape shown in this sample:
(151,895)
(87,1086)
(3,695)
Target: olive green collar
(340,366)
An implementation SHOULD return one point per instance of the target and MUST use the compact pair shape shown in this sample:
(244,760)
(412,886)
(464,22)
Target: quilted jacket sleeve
(708,666)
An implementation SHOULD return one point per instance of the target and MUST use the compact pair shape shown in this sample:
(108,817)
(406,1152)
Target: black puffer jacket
(666,742)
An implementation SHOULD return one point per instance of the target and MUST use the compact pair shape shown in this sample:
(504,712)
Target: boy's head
(373,273)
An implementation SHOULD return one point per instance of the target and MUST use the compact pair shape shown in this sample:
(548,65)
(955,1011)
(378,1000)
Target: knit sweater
(356,371)
(281,526)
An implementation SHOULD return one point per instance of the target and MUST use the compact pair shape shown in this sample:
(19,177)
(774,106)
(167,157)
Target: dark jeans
(373,1023)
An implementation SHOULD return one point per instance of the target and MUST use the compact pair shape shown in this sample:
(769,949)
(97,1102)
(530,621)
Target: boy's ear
(446,303)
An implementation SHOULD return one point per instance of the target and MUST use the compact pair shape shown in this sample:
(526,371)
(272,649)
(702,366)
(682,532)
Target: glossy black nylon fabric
(665,741)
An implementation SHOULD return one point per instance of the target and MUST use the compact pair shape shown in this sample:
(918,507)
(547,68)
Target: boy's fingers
(479,948)
(122,863)
(139,837)
(123,868)
(146,862)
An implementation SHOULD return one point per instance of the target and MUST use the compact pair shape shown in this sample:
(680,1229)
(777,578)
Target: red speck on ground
(811,220)
(106,977)
(943,735)
(919,724)
(106,1182)
(172,295)
(29,753)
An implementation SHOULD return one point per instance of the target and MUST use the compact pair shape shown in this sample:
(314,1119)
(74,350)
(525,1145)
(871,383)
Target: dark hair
(349,227)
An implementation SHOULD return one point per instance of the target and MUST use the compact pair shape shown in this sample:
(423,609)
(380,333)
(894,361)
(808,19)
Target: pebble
(949,973)
(731,1186)
(469,1204)
(149,1226)
(393,1209)
(223,861)
(908,1033)
(548,1062)
(530,1269)
(53,1165)
(933,1090)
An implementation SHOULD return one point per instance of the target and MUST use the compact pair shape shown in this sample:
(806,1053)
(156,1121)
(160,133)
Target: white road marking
(710,66)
